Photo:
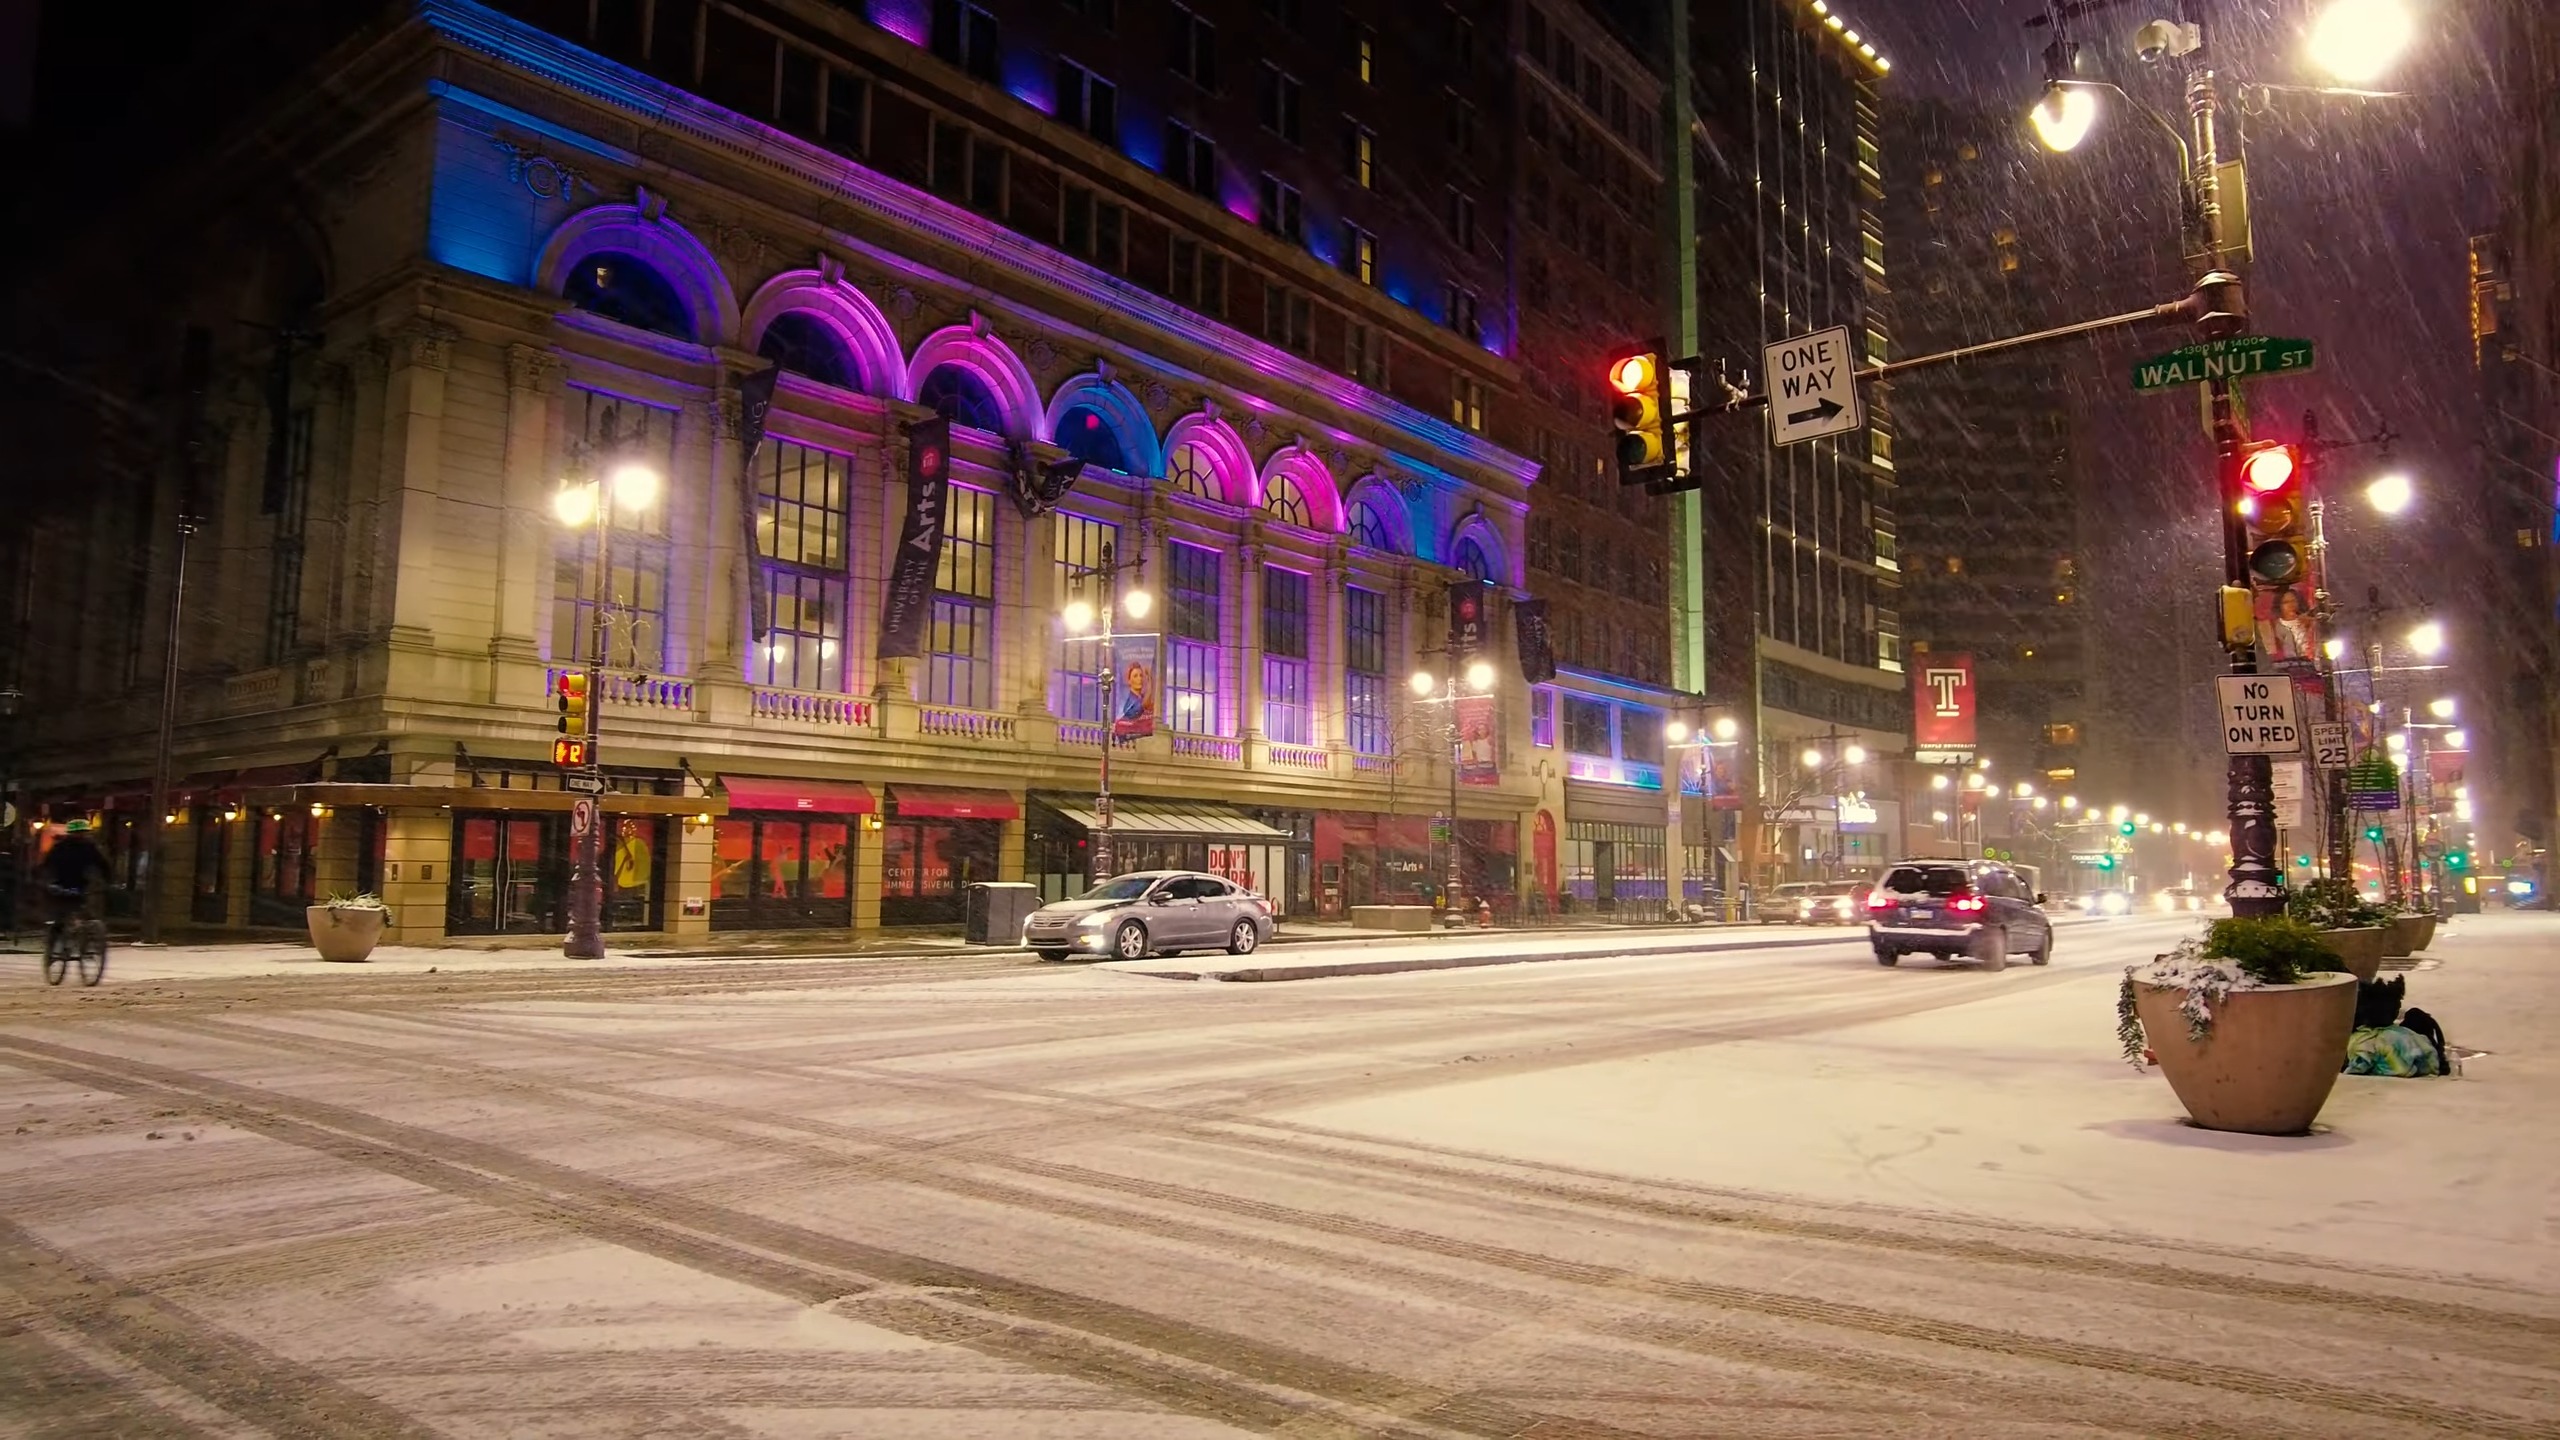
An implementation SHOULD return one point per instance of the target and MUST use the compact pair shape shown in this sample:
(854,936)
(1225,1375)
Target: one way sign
(1811,392)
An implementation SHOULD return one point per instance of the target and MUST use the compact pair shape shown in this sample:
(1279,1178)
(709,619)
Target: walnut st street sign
(2242,357)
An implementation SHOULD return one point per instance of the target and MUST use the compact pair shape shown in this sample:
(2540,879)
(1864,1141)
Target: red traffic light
(2270,469)
(1634,374)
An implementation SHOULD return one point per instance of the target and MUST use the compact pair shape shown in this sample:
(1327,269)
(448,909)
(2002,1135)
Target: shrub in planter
(347,927)
(2352,926)
(2248,1023)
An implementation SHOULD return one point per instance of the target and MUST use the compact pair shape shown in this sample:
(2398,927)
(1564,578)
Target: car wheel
(1053,954)
(1887,955)
(1129,942)
(2043,954)
(1991,949)
(1244,939)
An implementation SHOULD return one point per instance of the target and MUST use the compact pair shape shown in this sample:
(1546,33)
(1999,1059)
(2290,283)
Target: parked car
(1153,912)
(1839,902)
(1977,910)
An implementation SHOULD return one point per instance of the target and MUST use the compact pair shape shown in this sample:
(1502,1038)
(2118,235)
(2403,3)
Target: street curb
(1269,975)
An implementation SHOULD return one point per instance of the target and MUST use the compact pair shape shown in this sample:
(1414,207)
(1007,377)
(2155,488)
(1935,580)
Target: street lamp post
(1081,615)
(2350,40)
(586,499)
(1479,679)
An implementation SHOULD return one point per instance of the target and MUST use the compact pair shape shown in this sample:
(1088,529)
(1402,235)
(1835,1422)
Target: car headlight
(1093,922)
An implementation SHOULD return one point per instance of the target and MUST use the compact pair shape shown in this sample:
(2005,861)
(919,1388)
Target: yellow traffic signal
(1644,441)
(2268,490)
(2239,617)
(572,689)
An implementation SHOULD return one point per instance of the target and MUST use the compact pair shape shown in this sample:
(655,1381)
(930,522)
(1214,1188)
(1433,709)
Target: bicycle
(74,935)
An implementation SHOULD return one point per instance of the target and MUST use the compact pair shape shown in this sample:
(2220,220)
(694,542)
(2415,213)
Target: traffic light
(2373,834)
(2106,862)
(2457,861)
(1640,383)
(572,753)
(2268,491)
(572,689)
(2125,827)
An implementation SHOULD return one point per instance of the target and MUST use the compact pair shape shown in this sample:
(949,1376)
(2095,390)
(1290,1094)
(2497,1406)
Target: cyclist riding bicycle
(68,867)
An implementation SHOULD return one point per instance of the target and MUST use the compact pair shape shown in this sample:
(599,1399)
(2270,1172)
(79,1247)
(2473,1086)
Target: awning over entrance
(349,795)
(816,797)
(1175,817)
(936,802)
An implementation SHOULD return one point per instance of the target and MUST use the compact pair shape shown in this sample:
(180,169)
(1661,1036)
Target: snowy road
(1769,1192)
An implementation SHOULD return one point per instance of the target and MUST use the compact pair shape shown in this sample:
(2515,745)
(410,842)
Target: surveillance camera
(2161,39)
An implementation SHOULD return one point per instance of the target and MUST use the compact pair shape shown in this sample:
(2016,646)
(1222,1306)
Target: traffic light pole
(585,940)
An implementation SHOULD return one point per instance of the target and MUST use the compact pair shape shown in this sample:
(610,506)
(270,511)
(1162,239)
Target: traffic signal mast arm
(2187,309)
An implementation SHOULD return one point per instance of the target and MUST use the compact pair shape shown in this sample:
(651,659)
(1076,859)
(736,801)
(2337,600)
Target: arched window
(1283,500)
(1472,562)
(1370,528)
(802,344)
(1188,468)
(958,395)
(621,287)
(1083,433)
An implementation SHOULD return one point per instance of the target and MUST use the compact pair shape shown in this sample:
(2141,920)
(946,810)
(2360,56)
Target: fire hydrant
(1484,913)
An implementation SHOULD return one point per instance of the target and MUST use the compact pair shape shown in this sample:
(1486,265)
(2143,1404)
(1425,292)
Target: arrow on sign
(1823,411)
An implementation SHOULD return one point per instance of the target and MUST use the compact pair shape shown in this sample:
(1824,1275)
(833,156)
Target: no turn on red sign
(2259,715)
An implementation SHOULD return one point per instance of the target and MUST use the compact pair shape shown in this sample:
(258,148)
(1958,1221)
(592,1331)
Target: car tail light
(1262,904)
(1880,901)
(1969,903)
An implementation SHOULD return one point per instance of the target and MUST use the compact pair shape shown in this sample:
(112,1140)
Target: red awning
(821,797)
(933,802)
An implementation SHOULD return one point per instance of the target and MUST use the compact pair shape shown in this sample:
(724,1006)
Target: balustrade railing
(1076,732)
(653,692)
(1302,756)
(952,724)
(1208,747)
(811,708)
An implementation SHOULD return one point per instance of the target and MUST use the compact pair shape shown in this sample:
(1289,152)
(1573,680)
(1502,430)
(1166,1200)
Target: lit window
(802,498)
(1288,709)
(1193,693)
(1366,653)
(1188,468)
(1369,528)
(960,659)
(1283,500)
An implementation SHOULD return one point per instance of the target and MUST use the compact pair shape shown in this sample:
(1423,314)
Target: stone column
(353,607)
(524,525)
(867,855)
(1248,638)
(718,643)
(413,453)
(417,854)
(1329,638)
(689,876)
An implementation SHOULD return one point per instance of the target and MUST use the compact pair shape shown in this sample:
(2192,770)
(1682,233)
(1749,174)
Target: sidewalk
(2017,1107)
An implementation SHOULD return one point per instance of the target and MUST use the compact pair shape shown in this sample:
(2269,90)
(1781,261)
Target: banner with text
(1537,648)
(1133,686)
(1942,709)
(1479,741)
(910,599)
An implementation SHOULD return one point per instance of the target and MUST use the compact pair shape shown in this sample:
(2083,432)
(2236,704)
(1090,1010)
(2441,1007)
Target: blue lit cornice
(663,107)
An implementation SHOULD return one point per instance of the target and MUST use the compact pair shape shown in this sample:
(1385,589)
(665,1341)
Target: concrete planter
(2360,948)
(2267,1063)
(343,934)
(2401,937)
(2426,934)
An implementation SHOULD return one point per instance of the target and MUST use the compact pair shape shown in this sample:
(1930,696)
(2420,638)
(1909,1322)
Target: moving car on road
(1979,910)
(1833,902)
(1153,912)
(2106,903)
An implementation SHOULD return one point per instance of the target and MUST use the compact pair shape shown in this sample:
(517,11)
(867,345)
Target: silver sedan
(1154,912)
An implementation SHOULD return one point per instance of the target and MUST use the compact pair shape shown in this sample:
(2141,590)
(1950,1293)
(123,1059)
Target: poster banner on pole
(755,401)
(910,598)
(1942,709)
(1134,689)
(1466,618)
(1537,649)
(1479,741)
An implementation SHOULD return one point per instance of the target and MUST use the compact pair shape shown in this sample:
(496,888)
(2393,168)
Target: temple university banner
(1942,709)
(910,599)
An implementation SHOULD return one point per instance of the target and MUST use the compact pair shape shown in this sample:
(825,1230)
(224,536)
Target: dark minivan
(1979,910)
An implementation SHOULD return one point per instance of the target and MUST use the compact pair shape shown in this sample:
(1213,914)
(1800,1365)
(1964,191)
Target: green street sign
(2243,357)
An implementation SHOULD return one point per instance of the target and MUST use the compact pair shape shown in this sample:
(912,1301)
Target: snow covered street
(1655,1189)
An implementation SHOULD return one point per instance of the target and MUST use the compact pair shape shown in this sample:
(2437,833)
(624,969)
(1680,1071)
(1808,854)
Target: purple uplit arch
(992,363)
(1374,516)
(858,325)
(1120,410)
(1222,454)
(662,244)
(1478,531)
(1313,480)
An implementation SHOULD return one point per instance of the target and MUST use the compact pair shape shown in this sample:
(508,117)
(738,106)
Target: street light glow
(2141,819)
(2063,117)
(1136,604)
(2441,709)
(2022,788)
(1676,732)
(1937,782)
(1975,781)
(635,486)
(2456,740)
(2428,638)
(1855,755)
(2395,742)
(2070,802)
(1480,675)
(1078,616)
(575,505)
(2391,494)
(2356,40)
(1811,757)
(2119,814)
(1726,727)
(2333,647)
(1424,682)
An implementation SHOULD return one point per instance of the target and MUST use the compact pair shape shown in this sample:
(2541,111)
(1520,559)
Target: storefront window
(927,866)
(635,872)
(211,900)
(1586,726)
(509,875)
(1610,867)
(287,867)
(781,872)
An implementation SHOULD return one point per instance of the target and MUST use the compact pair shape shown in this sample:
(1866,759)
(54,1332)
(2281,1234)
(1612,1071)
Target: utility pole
(196,374)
